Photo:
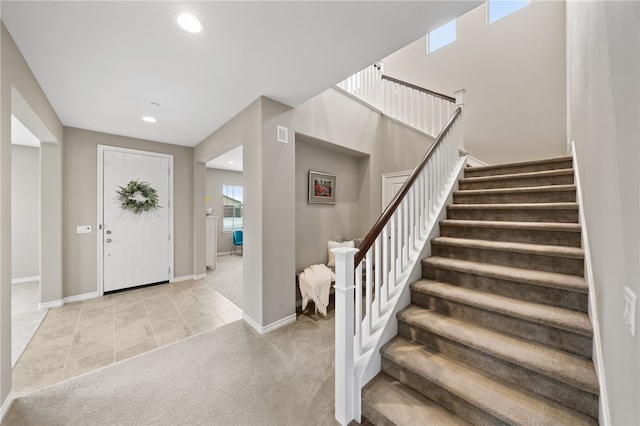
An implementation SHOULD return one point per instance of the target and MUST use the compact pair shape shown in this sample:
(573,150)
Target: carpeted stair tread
(519,194)
(400,405)
(539,249)
(528,276)
(564,212)
(516,206)
(527,175)
(552,316)
(546,164)
(531,226)
(523,189)
(559,365)
(513,229)
(546,177)
(503,401)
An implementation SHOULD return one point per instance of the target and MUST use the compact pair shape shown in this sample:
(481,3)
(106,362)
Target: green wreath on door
(138,197)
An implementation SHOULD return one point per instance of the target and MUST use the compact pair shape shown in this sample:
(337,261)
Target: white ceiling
(231,160)
(20,135)
(102,63)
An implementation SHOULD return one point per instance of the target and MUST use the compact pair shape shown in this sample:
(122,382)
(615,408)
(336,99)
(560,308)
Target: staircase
(497,331)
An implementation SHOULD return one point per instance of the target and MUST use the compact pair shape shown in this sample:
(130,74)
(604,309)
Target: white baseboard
(51,304)
(223,253)
(69,299)
(6,405)
(473,161)
(598,358)
(182,278)
(25,280)
(273,326)
(188,278)
(81,297)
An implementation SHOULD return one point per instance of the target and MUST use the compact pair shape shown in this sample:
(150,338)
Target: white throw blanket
(315,284)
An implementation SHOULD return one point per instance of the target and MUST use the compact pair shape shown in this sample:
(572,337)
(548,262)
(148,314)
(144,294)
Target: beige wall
(215,179)
(21,95)
(392,147)
(244,129)
(604,110)
(270,181)
(80,204)
(318,223)
(514,75)
(25,211)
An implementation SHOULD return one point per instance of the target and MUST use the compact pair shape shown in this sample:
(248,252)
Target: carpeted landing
(229,376)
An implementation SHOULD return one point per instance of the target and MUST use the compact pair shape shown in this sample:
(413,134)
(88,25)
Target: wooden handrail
(368,241)
(421,89)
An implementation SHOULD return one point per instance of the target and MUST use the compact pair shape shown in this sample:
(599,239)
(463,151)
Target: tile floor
(227,278)
(83,336)
(26,316)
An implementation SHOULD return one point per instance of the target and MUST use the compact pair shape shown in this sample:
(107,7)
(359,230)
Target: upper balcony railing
(421,108)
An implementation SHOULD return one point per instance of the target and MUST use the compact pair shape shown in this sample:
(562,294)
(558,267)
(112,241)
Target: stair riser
(569,215)
(562,265)
(568,196)
(374,416)
(448,400)
(513,235)
(518,182)
(507,170)
(568,395)
(547,335)
(533,293)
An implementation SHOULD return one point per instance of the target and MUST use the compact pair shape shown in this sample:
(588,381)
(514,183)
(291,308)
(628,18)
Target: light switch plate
(83,229)
(630,310)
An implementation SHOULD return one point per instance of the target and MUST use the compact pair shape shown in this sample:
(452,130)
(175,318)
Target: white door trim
(388,176)
(99,228)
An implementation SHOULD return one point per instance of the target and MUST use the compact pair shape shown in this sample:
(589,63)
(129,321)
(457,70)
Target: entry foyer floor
(84,336)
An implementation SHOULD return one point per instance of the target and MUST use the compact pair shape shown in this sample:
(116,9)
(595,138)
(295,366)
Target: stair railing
(382,265)
(424,109)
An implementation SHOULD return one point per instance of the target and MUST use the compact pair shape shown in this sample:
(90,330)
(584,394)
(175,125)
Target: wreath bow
(138,197)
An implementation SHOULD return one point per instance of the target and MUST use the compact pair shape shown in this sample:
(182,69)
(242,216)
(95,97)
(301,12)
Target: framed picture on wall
(322,188)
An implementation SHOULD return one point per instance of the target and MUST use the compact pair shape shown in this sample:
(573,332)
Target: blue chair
(237,240)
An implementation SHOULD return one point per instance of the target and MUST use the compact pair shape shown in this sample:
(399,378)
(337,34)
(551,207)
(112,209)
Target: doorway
(135,218)
(224,189)
(26,314)
(391,184)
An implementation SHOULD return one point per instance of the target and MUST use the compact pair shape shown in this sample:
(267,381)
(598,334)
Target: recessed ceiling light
(231,162)
(149,119)
(189,23)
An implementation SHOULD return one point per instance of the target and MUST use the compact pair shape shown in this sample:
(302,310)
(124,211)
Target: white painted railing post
(344,373)
(460,104)
(459,95)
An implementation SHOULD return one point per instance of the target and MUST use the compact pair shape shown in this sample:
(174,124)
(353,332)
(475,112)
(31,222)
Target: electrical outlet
(630,310)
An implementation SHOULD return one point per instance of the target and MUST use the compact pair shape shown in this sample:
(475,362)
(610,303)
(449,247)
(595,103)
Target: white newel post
(344,377)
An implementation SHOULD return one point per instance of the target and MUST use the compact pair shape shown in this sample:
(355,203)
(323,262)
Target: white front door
(391,184)
(135,246)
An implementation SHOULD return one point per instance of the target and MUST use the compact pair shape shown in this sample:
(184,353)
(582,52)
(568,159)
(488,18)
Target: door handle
(108,240)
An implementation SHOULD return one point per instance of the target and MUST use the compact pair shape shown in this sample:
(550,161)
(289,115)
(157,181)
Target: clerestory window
(498,9)
(441,36)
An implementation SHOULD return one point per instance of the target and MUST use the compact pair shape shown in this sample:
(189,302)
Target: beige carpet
(229,376)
